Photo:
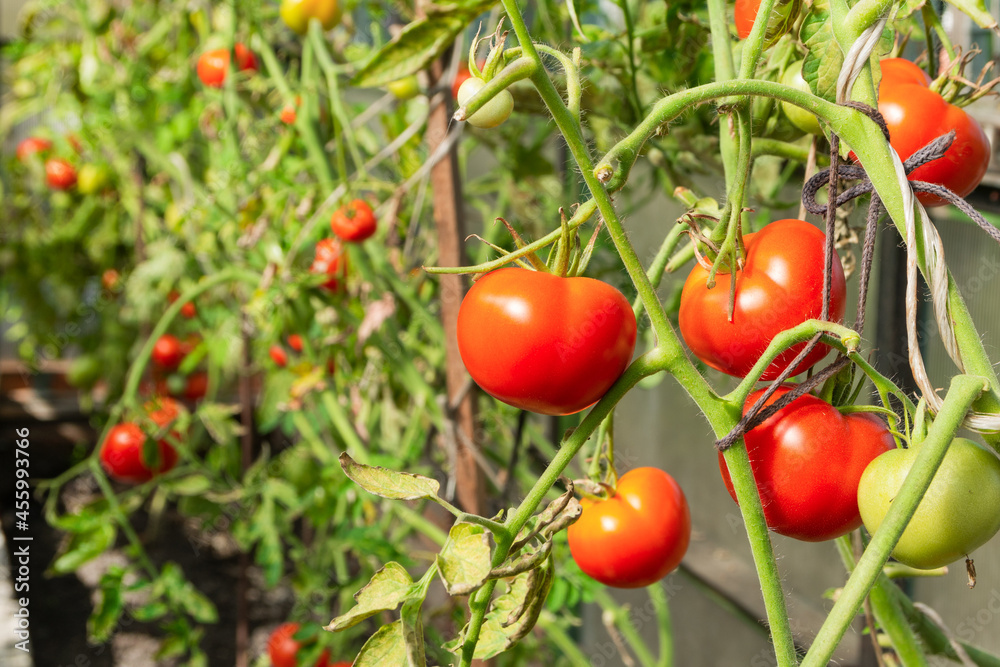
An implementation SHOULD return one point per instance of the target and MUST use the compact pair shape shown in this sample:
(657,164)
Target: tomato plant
(957,514)
(915,116)
(544,343)
(638,535)
(779,286)
(807,461)
(60,174)
(123,457)
(354,222)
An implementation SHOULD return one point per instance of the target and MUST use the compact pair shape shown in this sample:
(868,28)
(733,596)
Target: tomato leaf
(109,608)
(192,485)
(512,615)
(464,562)
(420,42)
(389,587)
(84,546)
(413,632)
(385,648)
(389,483)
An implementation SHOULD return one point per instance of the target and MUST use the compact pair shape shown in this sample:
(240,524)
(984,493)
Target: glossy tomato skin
(636,537)
(901,70)
(780,286)
(745,13)
(354,222)
(121,454)
(32,146)
(168,352)
(958,513)
(544,343)
(915,116)
(807,460)
(283,649)
(330,260)
(60,174)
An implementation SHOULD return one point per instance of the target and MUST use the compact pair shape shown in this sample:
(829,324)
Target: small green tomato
(493,112)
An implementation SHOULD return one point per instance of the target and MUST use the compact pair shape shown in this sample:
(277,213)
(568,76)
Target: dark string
(932,151)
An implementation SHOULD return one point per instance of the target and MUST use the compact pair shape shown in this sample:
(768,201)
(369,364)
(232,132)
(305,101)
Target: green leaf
(83,547)
(413,633)
(823,55)
(219,422)
(388,588)
(464,562)
(109,608)
(420,42)
(389,483)
(386,648)
(512,615)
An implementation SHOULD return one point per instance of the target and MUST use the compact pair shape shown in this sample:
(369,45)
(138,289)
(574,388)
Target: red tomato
(354,222)
(780,286)
(188,310)
(60,174)
(288,112)
(162,410)
(121,455)
(637,536)
(31,146)
(278,355)
(295,342)
(196,387)
(168,351)
(916,115)
(745,13)
(111,280)
(213,65)
(901,70)
(331,261)
(544,343)
(807,460)
(283,649)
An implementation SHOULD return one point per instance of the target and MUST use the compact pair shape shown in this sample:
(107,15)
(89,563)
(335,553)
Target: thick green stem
(661,606)
(718,16)
(962,394)
(865,13)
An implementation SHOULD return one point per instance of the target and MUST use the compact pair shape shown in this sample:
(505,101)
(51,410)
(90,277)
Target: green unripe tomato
(91,178)
(493,112)
(85,371)
(959,512)
(404,89)
(800,118)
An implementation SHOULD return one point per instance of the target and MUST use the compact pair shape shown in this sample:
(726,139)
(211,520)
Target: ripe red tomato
(288,112)
(31,146)
(901,70)
(278,355)
(354,222)
(916,115)
(213,65)
(121,455)
(188,310)
(637,536)
(295,342)
(807,460)
(780,21)
(779,287)
(283,649)
(196,387)
(544,343)
(745,13)
(168,351)
(60,174)
(331,261)
(162,410)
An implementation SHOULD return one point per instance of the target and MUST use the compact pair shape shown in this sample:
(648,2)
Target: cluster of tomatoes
(283,649)
(555,345)
(352,223)
(60,173)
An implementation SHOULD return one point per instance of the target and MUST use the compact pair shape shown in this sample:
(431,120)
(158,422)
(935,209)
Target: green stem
(785,149)
(664,626)
(566,646)
(866,13)
(352,442)
(888,614)
(121,518)
(625,626)
(962,394)
(718,16)
(337,104)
